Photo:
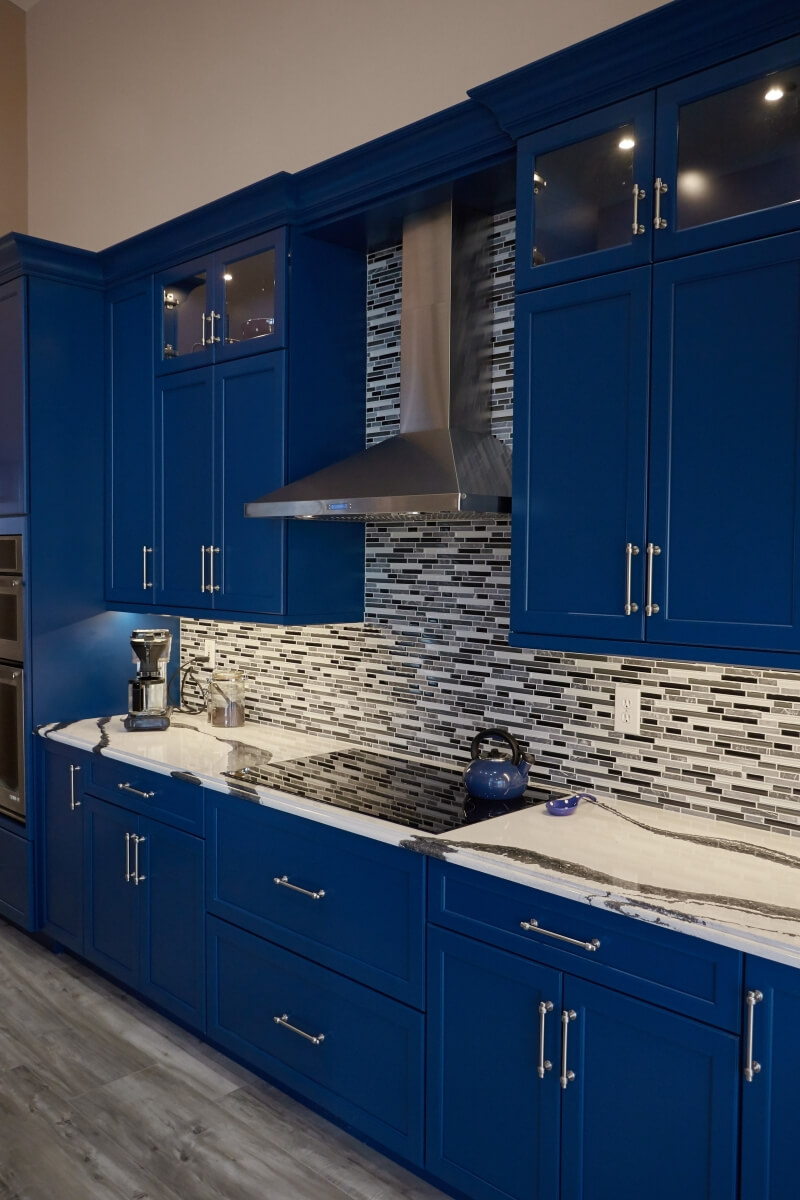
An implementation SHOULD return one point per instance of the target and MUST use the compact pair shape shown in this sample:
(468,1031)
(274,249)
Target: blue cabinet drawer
(352,1051)
(175,801)
(348,902)
(674,970)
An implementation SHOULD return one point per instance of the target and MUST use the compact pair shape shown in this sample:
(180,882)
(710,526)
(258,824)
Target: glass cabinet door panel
(185,320)
(249,304)
(739,150)
(584,196)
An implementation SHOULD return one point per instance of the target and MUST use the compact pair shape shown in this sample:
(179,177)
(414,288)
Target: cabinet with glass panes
(224,306)
(708,161)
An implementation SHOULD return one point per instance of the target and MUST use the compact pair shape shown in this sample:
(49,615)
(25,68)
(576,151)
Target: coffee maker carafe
(148,706)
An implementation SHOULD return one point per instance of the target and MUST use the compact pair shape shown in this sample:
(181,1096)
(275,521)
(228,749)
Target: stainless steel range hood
(444,460)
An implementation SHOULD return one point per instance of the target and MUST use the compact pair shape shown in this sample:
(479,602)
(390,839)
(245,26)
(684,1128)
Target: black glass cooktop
(423,797)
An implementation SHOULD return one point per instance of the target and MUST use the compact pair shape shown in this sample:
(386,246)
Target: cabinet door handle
(73,803)
(659,188)
(127,858)
(126,787)
(283,881)
(751,1067)
(545,1006)
(638,194)
(567,1015)
(137,842)
(203,320)
(214,317)
(284,1021)
(212,550)
(594,944)
(650,608)
(630,552)
(203,569)
(145,551)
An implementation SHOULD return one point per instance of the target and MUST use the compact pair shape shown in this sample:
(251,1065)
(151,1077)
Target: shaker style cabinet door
(652,1109)
(770,1080)
(725,448)
(13,474)
(492,1116)
(184,303)
(112,899)
(130,499)
(580,458)
(585,197)
(728,151)
(63,874)
(187,562)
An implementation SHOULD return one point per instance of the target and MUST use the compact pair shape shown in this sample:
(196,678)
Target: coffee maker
(148,706)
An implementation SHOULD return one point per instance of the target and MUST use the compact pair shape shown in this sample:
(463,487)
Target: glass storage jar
(225,698)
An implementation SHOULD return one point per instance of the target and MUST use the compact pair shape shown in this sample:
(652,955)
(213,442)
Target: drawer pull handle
(284,1021)
(283,881)
(594,944)
(126,787)
(545,1007)
(751,1067)
(567,1015)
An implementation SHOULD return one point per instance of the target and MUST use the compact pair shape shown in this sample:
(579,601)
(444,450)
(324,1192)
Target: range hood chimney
(445,459)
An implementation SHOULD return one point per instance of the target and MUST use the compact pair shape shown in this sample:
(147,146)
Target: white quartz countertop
(733,885)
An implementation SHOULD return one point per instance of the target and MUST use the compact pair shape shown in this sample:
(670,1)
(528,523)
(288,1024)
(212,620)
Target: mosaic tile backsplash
(431,663)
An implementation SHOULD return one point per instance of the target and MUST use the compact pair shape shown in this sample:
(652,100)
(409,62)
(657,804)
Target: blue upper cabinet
(13,474)
(226,305)
(728,152)
(725,448)
(584,195)
(770,1074)
(580,458)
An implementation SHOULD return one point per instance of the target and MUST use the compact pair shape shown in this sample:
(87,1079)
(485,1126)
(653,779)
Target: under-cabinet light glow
(774,93)
(627,143)
(228,278)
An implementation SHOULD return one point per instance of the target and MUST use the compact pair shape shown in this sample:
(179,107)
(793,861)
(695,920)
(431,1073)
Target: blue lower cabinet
(346,1048)
(112,920)
(63,771)
(492,1122)
(770,1091)
(15,878)
(652,1110)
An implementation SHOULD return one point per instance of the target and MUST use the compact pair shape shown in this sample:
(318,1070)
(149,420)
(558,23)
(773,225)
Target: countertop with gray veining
(735,885)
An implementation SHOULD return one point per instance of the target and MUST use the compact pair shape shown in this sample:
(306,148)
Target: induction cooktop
(428,798)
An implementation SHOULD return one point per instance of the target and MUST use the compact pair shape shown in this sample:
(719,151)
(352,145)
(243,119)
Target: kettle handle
(504,736)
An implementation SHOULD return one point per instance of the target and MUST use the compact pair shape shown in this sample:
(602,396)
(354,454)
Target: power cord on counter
(187,672)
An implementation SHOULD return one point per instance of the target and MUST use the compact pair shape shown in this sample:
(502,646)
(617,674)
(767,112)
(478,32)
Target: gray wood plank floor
(102,1099)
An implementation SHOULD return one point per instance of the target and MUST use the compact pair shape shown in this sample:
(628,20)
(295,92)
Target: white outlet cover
(627,708)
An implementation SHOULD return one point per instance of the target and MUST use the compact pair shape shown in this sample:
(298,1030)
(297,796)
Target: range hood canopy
(445,459)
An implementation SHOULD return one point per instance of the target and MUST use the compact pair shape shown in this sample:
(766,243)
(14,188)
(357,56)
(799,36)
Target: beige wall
(13,141)
(142,109)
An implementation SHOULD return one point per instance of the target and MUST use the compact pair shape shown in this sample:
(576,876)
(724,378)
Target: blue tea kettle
(495,777)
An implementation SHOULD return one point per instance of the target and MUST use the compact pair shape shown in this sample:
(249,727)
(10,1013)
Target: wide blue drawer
(683,973)
(354,1052)
(368,918)
(174,800)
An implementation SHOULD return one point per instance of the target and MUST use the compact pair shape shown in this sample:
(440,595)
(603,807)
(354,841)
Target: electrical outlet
(210,651)
(627,708)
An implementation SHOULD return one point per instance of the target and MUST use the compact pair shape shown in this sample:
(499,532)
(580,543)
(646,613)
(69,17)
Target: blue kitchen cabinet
(143,907)
(770,1069)
(13,457)
(63,772)
(493,1107)
(130,513)
(580,460)
(227,305)
(653,1107)
(584,193)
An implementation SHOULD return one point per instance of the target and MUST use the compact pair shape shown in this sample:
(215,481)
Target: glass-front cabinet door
(585,193)
(728,151)
(227,305)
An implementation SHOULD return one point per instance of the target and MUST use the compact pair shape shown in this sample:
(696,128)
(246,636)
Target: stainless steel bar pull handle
(145,551)
(594,944)
(203,320)
(545,1006)
(284,1021)
(630,553)
(203,569)
(214,317)
(212,550)
(659,188)
(127,858)
(567,1015)
(751,1067)
(283,881)
(126,787)
(638,194)
(73,803)
(650,608)
(137,842)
